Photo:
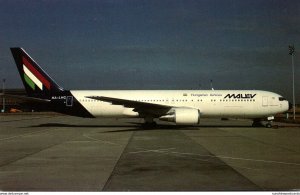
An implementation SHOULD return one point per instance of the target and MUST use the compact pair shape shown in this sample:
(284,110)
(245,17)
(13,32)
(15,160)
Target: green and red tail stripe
(34,77)
(36,81)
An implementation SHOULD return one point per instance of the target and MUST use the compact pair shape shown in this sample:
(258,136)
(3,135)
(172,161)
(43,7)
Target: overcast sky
(155,44)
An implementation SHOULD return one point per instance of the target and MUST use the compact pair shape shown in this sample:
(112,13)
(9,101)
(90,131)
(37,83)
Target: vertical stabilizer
(36,81)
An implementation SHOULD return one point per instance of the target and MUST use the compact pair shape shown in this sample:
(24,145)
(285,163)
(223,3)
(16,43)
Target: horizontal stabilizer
(25,98)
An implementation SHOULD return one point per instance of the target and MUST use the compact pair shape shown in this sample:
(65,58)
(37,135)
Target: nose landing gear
(258,122)
(269,125)
(270,120)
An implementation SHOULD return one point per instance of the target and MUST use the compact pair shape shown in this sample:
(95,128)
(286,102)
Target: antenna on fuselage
(211,85)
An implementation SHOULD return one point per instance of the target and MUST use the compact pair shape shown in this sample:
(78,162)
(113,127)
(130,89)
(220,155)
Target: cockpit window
(281,99)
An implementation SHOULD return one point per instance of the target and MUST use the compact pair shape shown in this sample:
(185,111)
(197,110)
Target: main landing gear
(149,123)
(258,122)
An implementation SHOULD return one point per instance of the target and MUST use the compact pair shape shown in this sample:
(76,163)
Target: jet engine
(182,116)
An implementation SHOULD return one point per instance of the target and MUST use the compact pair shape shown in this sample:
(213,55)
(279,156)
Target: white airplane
(183,107)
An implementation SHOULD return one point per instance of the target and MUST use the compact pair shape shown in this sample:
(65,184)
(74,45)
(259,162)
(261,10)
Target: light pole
(3,88)
(291,52)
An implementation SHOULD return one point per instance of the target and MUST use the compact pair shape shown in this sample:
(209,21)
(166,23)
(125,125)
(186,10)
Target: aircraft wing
(25,98)
(143,108)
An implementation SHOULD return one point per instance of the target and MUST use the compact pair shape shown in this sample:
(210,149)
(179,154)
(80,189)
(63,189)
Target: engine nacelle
(183,116)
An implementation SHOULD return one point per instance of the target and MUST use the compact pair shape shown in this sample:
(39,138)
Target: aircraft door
(264,101)
(69,101)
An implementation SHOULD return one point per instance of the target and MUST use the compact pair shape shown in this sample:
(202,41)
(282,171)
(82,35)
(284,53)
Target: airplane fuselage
(210,103)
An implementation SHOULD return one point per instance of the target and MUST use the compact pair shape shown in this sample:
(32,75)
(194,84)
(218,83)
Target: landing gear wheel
(268,125)
(257,123)
(270,120)
(149,125)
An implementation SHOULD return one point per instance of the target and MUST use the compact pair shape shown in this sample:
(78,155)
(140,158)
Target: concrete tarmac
(64,153)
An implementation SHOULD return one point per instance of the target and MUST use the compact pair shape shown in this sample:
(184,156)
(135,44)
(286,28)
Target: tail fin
(36,81)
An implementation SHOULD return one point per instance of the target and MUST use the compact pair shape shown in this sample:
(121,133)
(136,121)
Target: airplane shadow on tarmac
(139,126)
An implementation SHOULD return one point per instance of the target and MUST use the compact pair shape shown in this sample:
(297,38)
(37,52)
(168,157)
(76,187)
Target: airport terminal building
(13,105)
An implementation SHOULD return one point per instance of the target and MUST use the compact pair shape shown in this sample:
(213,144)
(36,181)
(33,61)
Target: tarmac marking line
(238,158)
(23,135)
(163,150)
(28,155)
(98,140)
(107,183)
(259,141)
(166,150)
(27,119)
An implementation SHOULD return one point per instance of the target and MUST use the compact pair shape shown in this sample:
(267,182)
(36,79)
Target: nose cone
(290,106)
